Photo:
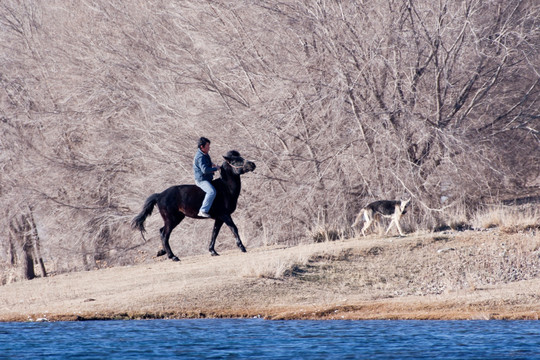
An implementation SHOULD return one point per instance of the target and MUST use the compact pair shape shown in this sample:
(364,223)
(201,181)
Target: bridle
(236,166)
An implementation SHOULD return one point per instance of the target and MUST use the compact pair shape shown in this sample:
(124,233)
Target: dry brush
(338,103)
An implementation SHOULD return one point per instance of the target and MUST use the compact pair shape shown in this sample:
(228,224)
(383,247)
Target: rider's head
(202,142)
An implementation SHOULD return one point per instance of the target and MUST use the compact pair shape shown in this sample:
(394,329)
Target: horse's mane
(232,153)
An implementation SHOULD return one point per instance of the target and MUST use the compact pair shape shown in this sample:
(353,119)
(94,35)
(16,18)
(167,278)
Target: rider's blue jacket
(202,167)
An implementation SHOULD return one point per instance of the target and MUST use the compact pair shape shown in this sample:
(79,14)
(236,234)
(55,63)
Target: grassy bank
(487,274)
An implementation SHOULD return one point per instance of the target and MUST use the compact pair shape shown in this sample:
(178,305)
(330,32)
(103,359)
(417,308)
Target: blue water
(260,339)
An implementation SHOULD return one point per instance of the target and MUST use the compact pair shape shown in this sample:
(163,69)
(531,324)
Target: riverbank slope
(454,275)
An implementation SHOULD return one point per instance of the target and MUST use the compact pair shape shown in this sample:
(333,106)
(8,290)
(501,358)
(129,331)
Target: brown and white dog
(387,208)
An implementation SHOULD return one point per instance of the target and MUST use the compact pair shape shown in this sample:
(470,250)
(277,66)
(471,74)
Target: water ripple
(260,339)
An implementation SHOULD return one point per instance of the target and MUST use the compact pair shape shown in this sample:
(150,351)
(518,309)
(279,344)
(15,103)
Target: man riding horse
(177,202)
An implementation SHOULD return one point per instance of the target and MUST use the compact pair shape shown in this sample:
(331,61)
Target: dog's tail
(359,217)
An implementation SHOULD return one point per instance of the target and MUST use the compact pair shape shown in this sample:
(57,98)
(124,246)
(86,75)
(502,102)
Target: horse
(177,202)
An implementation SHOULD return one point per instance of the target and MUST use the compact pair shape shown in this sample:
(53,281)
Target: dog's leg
(390,226)
(395,218)
(368,219)
(399,227)
(366,226)
(395,221)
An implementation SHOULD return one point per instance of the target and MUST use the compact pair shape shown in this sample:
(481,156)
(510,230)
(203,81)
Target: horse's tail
(138,221)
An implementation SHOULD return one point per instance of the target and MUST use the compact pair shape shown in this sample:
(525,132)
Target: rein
(236,166)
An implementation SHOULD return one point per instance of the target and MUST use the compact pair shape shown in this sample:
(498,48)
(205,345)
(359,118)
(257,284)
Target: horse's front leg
(228,220)
(215,232)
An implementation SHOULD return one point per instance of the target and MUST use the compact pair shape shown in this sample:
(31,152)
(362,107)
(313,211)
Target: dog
(394,209)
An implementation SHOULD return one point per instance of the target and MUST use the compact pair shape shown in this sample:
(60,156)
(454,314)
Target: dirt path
(373,278)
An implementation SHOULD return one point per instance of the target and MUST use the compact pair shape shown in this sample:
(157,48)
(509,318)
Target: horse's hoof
(174,258)
(213,253)
(242,248)
(161,252)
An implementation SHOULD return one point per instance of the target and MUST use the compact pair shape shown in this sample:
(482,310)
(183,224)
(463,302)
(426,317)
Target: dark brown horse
(179,201)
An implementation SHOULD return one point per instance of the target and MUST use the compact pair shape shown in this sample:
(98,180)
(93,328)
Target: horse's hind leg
(171,221)
(161,252)
(165,235)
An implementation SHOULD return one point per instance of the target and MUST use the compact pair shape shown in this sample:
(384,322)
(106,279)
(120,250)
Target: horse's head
(237,163)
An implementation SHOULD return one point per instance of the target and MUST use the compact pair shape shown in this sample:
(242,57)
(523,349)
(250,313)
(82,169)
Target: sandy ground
(423,276)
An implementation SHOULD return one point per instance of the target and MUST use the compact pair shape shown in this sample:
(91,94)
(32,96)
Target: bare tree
(338,103)
(428,95)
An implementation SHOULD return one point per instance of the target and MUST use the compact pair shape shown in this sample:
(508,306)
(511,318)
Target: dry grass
(431,266)
(456,218)
(275,267)
(508,219)
(460,275)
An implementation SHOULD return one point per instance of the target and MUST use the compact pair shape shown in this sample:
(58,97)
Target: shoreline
(355,279)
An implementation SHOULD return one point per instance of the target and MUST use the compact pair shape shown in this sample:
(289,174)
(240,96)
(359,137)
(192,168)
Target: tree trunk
(37,243)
